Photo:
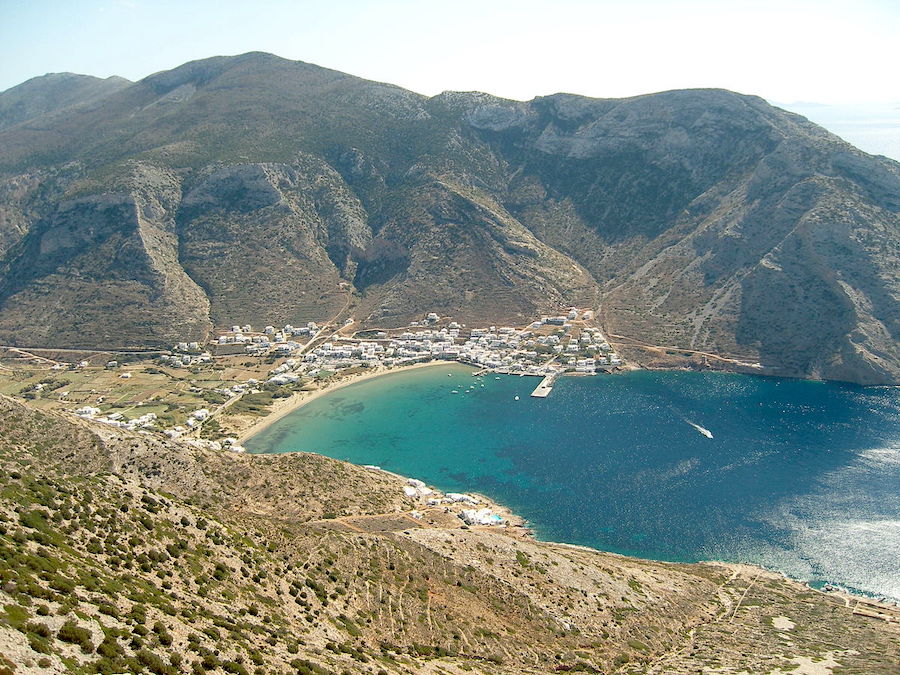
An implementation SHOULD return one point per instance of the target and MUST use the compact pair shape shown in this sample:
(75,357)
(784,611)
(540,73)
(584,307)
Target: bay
(802,477)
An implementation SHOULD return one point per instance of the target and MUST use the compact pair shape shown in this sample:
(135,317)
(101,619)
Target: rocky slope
(254,189)
(122,553)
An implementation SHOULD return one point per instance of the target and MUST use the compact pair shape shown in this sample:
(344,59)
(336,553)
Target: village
(211,394)
(551,345)
(242,371)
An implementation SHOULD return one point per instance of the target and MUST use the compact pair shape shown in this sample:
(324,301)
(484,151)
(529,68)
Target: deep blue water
(802,477)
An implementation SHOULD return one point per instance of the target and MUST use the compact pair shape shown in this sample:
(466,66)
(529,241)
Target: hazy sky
(829,51)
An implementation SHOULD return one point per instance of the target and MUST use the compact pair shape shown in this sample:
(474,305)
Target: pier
(545,387)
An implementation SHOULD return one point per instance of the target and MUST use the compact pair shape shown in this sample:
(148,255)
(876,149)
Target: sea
(800,477)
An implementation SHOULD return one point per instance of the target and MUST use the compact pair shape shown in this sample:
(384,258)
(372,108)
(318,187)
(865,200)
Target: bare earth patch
(783,623)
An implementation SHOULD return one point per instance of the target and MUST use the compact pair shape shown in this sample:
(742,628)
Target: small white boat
(517,398)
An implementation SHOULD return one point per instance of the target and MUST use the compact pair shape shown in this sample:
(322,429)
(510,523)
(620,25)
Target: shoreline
(286,406)
(517,527)
(839,592)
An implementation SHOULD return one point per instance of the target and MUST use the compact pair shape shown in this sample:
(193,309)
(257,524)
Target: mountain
(126,553)
(51,93)
(251,189)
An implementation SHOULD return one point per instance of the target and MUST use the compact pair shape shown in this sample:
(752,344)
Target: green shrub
(152,662)
(74,634)
(109,648)
(35,519)
(39,629)
(38,644)
(209,661)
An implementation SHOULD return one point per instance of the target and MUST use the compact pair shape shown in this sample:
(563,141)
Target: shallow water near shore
(800,477)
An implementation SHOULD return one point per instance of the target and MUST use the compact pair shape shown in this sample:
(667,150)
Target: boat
(705,432)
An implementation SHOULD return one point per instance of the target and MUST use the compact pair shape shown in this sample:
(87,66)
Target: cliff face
(104,268)
(702,220)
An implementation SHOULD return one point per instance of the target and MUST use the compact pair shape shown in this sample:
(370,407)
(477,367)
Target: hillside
(251,189)
(126,554)
(52,93)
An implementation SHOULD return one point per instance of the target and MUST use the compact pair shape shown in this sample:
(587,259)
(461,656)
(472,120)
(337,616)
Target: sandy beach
(288,405)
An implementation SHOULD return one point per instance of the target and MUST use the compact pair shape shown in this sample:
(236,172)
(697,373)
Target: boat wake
(705,432)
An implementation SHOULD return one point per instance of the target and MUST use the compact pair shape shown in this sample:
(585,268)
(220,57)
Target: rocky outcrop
(272,243)
(104,269)
(469,258)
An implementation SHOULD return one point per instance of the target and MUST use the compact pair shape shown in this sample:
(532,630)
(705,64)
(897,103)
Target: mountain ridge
(692,219)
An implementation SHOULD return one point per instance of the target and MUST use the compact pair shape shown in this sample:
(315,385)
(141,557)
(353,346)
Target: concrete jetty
(545,387)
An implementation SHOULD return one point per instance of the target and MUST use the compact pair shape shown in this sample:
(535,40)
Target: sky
(836,52)
(824,51)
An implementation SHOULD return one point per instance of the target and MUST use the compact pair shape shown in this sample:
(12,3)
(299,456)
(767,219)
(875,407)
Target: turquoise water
(801,477)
